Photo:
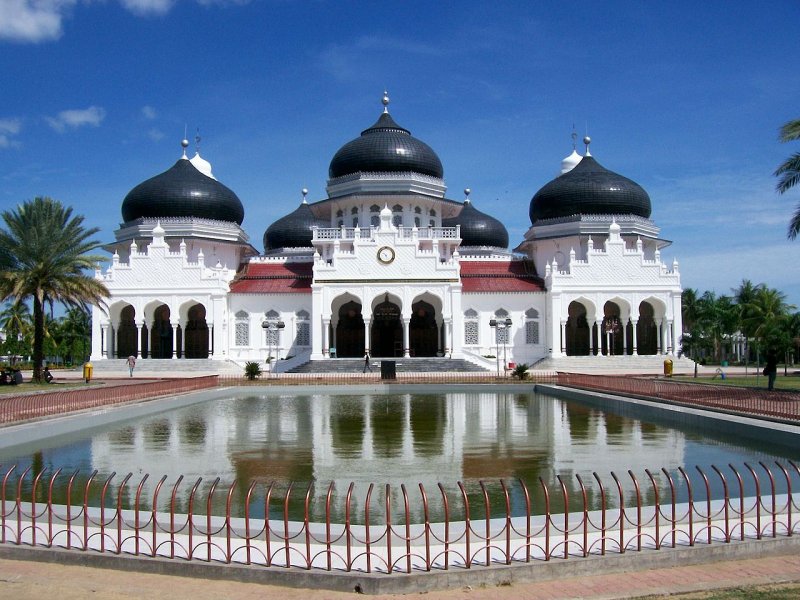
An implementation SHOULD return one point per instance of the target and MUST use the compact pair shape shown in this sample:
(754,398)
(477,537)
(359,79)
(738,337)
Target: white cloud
(149,113)
(75,118)
(33,20)
(155,134)
(8,129)
(144,8)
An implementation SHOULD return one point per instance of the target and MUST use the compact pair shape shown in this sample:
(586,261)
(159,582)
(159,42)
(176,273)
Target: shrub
(252,370)
(520,371)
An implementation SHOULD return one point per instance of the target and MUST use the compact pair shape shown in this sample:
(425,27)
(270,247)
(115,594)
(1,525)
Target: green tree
(16,322)
(789,172)
(767,317)
(74,333)
(718,317)
(49,253)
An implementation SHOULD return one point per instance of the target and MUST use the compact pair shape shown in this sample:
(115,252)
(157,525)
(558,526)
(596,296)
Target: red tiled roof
(273,278)
(499,276)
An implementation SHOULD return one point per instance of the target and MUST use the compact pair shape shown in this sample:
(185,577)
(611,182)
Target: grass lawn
(26,387)
(789,384)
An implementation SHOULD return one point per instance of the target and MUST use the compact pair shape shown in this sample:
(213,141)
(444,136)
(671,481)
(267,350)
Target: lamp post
(498,326)
(270,326)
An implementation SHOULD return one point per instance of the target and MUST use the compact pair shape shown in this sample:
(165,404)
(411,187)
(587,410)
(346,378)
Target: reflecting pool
(386,439)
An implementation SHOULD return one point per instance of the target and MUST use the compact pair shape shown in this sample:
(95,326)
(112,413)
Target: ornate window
(355,221)
(471,328)
(340,213)
(432,213)
(397,218)
(417,210)
(354,210)
(501,333)
(375,220)
(375,208)
(531,326)
(303,337)
(272,334)
(241,329)
(416,222)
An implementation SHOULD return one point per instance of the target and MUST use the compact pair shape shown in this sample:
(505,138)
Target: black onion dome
(385,147)
(293,230)
(477,228)
(182,191)
(589,188)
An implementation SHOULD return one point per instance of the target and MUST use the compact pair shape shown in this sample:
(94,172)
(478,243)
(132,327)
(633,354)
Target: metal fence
(357,378)
(783,405)
(502,523)
(43,404)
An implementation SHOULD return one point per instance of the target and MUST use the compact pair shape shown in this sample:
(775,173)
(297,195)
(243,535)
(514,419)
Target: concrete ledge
(402,583)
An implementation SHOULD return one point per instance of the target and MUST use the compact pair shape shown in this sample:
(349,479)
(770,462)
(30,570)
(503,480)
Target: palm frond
(790,131)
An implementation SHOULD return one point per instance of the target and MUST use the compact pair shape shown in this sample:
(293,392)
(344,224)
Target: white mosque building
(387,264)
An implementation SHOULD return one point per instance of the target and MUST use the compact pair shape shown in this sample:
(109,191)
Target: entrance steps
(650,365)
(403,365)
(162,367)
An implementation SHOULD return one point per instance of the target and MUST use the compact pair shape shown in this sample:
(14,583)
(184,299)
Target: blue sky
(684,98)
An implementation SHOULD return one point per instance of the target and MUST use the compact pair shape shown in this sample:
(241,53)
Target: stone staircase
(651,365)
(402,365)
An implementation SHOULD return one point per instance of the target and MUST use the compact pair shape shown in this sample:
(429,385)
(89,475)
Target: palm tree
(48,250)
(789,172)
(767,316)
(75,328)
(16,322)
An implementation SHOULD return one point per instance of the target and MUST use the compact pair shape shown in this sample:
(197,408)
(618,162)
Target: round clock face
(386,255)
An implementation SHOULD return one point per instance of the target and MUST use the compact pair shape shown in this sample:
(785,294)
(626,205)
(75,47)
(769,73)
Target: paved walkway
(24,580)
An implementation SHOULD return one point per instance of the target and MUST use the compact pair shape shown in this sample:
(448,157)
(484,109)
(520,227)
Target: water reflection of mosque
(394,439)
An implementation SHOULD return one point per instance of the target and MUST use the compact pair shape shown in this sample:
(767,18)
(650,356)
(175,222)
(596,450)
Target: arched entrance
(126,333)
(613,330)
(160,337)
(423,333)
(350,331)
(646,330)
(387,330)
(578,342)
(196,334)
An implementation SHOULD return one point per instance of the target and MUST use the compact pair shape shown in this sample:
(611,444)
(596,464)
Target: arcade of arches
(159,338)
(389,334)
(641,334)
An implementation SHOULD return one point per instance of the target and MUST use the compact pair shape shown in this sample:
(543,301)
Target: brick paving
(23,580)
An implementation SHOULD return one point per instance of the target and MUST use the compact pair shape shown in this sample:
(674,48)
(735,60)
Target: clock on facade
(386,255)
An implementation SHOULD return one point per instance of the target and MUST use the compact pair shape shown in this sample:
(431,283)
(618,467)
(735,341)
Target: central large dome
(385,147)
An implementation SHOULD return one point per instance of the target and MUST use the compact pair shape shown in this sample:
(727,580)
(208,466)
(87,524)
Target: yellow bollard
(87,371)
(668,368)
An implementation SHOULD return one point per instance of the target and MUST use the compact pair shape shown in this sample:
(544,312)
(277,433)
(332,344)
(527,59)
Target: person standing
(367,366)
(771,369)
(131,364)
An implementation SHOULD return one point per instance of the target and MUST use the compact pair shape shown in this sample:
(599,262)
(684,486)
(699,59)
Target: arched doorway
(126,333)
(423,333)
(387,330)
(196,334)
(350,331)
(160,337)
(613,331)
(646,330)
(578,342)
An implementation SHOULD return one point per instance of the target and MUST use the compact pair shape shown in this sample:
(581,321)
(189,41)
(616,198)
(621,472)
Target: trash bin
(388,369)
(87,371)
(724,363)
(668,368)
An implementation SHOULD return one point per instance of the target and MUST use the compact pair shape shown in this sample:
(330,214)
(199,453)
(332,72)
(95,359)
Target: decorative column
(325,327)
(624,338)
(174,340)
(406,337)
(367,337)
(448,337)
(670,338)
(598,340)
(139,339)
(105,348)
(635,344)
(660,336)
(563,343)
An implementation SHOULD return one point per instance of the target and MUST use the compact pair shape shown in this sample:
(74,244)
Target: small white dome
(570,162)
(202,165)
